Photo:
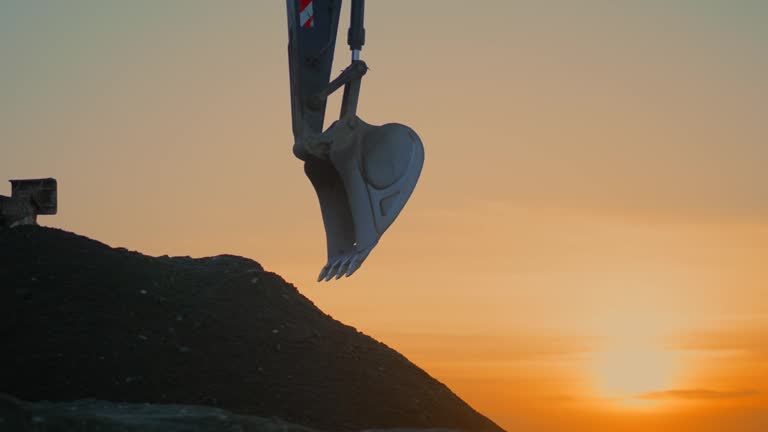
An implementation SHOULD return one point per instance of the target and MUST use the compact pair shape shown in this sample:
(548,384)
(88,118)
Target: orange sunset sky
(587,249)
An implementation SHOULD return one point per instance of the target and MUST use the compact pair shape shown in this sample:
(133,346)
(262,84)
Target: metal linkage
(353,72)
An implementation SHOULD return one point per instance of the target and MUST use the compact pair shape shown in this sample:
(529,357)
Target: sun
(624,372)
(630,371)
(632,356)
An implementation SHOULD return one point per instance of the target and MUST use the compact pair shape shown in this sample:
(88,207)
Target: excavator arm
(363,174)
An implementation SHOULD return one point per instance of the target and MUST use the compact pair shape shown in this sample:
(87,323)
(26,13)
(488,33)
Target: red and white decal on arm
(306,14)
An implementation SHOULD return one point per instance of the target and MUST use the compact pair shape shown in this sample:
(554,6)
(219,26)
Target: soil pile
(81,320)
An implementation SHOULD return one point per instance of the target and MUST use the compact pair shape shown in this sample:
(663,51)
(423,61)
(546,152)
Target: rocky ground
(101,416)
(82,321)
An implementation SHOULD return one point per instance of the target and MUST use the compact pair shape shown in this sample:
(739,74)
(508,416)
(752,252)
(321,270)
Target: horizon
(585,250)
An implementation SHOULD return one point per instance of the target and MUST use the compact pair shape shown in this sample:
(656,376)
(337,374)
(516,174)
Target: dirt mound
(81,320)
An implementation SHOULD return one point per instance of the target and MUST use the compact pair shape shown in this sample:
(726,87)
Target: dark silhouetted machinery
(29,198)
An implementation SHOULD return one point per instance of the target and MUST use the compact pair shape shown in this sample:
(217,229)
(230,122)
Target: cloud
(743,339)
(697,394)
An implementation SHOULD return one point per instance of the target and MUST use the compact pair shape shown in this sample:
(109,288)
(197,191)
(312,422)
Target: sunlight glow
(627,372)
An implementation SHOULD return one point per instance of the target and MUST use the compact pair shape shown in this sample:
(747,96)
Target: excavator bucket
(372,173)
(363,174)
